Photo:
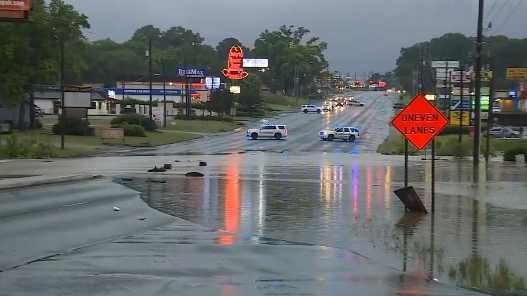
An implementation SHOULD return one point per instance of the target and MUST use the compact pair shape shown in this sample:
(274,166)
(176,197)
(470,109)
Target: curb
(41,180)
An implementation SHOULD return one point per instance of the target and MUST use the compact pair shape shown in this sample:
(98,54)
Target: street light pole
(164,95)
(477,92)
(150,75)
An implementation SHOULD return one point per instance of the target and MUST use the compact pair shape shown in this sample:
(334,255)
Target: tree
(290,57)
(250,101)
(222,102)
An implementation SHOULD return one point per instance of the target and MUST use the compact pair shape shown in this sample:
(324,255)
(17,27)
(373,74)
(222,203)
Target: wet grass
(285,103)
(202,126)
(43,144)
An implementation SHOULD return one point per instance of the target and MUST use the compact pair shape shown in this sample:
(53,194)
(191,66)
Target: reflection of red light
(368,193)
(234,68)
(231,208)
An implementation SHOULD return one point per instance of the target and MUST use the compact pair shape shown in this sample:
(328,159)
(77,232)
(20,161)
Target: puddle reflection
(351,206)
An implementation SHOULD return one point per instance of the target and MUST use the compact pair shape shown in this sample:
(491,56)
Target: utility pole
(490,119)
(150,76)
(461,99)
(477,97)
(62,122)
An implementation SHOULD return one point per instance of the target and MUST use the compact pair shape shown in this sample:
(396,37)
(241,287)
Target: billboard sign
(255,63)
(516,74)
(445,64)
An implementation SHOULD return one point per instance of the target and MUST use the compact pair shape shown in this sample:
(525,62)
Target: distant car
(398,106)
(347,133)
(269,131)
(356,102)
(504,132)
(311,108)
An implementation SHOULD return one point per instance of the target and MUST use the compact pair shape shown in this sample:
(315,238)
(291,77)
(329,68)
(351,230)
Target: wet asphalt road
(292,217)
(48,220)
(303,131)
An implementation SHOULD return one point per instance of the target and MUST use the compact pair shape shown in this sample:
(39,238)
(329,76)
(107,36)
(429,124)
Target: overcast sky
(363,35)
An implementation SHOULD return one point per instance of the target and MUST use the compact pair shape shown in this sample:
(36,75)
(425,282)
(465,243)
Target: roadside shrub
(215,118)
(510,154)
(137,119)
(37,124)
(454,130)
(451,147)
(72,126)
(134,130)
(43,150)
(19,147)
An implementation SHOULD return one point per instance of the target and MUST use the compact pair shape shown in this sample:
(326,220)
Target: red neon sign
(234,68)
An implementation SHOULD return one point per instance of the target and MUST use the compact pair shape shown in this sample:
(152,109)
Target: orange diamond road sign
(420,122)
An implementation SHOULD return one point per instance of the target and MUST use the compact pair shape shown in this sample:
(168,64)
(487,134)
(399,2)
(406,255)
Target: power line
(511,13)
(499,9)
(491,9)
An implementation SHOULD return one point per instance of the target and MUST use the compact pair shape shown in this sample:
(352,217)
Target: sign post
(420,122)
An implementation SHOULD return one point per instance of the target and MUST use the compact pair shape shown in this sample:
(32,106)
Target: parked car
(269,131)
(342,133)
(504,132)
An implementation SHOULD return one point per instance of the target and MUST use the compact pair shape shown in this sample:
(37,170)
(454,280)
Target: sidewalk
(187,259)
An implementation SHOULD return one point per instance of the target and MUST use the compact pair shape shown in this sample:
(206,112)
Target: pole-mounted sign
(420,122)
(234,68)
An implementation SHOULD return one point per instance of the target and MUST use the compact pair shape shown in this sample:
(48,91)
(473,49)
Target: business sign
(191,72)
(419,122)
(235,89)
(14,10)
(234,68)
(456,76)
(445,64)
(516,74)
(255,63)
(457,116)
(212,82)
(77,99)
(456,91)
(146,92)
(457,104)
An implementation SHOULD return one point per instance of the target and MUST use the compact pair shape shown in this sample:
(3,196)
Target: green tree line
(501,51)
(29,54)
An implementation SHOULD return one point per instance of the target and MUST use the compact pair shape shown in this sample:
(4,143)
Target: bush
(510,154)
(135,119)
(215,118)
(72,126)
(454,130)
(451,147)
(134,130)
(16,147)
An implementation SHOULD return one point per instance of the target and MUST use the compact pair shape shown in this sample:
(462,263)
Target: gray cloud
(362,35)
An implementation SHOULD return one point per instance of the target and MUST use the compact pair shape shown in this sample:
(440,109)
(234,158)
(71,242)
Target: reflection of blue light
(355,149)
(355,174)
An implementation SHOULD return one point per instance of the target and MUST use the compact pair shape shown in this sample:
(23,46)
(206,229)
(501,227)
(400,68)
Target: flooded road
(347,202)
